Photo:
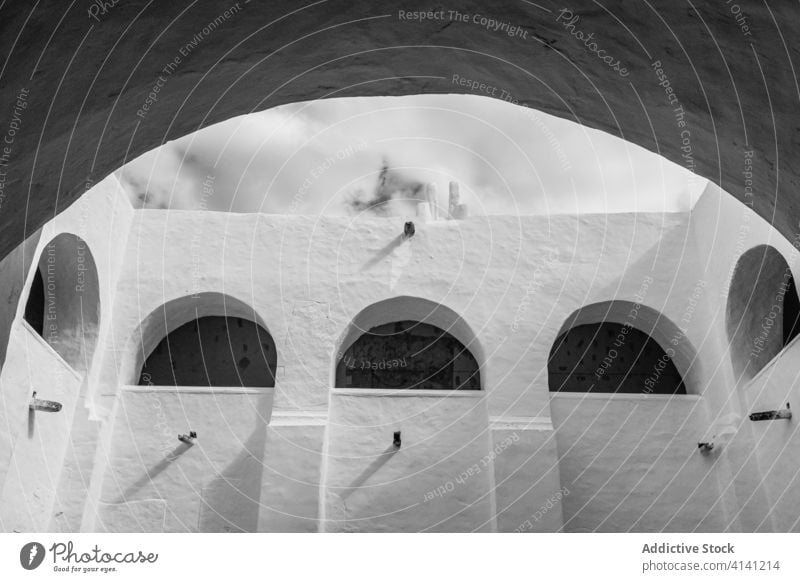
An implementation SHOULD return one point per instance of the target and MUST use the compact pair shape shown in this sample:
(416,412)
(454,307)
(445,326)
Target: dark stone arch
(609,357)
(762,311)
(257,59)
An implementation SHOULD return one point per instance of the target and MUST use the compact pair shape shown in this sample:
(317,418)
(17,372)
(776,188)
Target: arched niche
(409,343)
(621,347)
(63,303)
(608,357)
(762,311)
(208,339)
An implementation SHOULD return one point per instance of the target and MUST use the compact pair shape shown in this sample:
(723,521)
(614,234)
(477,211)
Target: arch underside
(85,95)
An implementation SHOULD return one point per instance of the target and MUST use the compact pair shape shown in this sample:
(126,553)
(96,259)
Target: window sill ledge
(407,393)
(624,396)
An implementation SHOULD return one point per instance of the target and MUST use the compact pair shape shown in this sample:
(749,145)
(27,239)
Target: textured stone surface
(85,79)
(439,479)
(36,442)
(779,441)
(212,485)
(616,438)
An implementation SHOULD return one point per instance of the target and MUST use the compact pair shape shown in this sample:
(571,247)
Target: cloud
(161,178)
(341,156)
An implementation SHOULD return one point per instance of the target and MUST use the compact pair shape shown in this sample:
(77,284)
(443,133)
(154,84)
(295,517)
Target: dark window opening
(34,308)
(408,355)
(628,361)
(791,312)
(211,351)
(63,305)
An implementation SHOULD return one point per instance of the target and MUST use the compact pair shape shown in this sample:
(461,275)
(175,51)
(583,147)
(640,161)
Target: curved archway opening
(213,351)
(34,308)
(384,155)
(357,55)
(763,310)
(409,343)
(408,354)
(63,304)
(609,357)
(209,339)
(621,347)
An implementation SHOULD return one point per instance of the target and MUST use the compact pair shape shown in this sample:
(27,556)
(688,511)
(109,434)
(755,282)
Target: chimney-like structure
(455,209)
(453,202)
(424,211)
(430,196)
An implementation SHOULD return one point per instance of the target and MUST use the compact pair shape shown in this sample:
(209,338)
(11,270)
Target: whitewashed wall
(308,456)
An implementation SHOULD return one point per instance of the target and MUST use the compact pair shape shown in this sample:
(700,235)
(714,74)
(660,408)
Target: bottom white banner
(407,557)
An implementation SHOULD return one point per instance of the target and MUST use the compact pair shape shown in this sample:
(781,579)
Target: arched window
(63,304)
(408,342)
(762,311)
(34,308)
(408,354)
(791,311)
(609,357)
(213,351)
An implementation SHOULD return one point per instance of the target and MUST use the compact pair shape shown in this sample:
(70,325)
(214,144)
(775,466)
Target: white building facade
(297,452)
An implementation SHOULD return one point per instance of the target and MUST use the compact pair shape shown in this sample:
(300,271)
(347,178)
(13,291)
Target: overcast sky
(343,156)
